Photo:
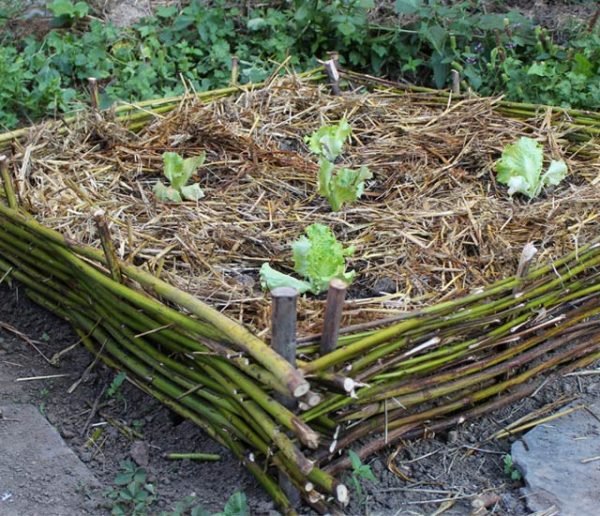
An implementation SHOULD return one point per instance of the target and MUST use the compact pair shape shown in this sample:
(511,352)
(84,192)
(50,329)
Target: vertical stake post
(11,198)
(235,70)
(333,315)
(331,69)
(455,82)
(108,246)
(94,97)
(283,340)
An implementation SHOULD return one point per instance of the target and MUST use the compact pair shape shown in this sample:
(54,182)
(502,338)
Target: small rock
(67,434)
(377,467)
(485,500)
(452,436)
(140,453)
(246,280)
(551,459)
(264,507)
(85,456)
(384,286)
(592,388)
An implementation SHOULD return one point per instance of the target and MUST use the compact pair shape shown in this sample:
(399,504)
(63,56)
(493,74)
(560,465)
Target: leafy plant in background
(521,168)
(179,171)
(132,495)
(115,385)
(66,13)
(318,257)
(237,505)
(359,473)
(339,185)
(160,56)
(509,468)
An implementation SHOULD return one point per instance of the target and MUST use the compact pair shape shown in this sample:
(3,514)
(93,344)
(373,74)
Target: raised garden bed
(438,320)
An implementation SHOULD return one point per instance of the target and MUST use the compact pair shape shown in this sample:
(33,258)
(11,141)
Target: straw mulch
(433,222)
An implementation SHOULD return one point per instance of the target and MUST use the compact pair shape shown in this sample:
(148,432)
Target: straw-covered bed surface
(432,224)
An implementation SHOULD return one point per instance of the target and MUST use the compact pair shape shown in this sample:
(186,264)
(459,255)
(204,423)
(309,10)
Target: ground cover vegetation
(414,40)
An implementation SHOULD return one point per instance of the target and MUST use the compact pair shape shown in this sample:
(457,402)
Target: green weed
(360,472)
(132,495)
(509,468)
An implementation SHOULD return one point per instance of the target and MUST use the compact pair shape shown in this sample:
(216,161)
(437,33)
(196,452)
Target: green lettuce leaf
(192,192)
(520,168)
(319,257)
(166,194)
(325,174)
(556,172)
(346,186)
(270,279)
(179,171)
(327,141)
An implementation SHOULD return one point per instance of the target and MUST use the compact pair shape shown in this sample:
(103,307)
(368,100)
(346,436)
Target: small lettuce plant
(521,165)
(318,258)
(339,185)
(179,171)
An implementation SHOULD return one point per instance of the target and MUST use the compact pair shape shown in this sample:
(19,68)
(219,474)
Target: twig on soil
(93,410)
(25,338)
(512,429)
(45,377)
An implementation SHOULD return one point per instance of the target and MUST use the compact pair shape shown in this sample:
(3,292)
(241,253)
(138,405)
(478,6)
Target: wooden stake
(94,97)
(107,245)
(333,315)
(235,71)
(283,340)
(527,254)
(331,69)
(283,324)
(11,198)
(455,82)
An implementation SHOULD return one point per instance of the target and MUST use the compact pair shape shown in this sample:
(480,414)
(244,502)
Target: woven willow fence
(415,374)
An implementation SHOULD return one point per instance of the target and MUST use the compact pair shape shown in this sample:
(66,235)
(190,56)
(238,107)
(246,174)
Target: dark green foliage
(132,495)
(493,52)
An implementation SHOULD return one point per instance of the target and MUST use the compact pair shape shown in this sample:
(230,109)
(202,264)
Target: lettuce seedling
(343,185)
(179,171)
(318,257)
(327,141)
(521,168)
(339,185)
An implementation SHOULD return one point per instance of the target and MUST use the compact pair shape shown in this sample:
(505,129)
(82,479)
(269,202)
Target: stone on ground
(554,461)
(39,474)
